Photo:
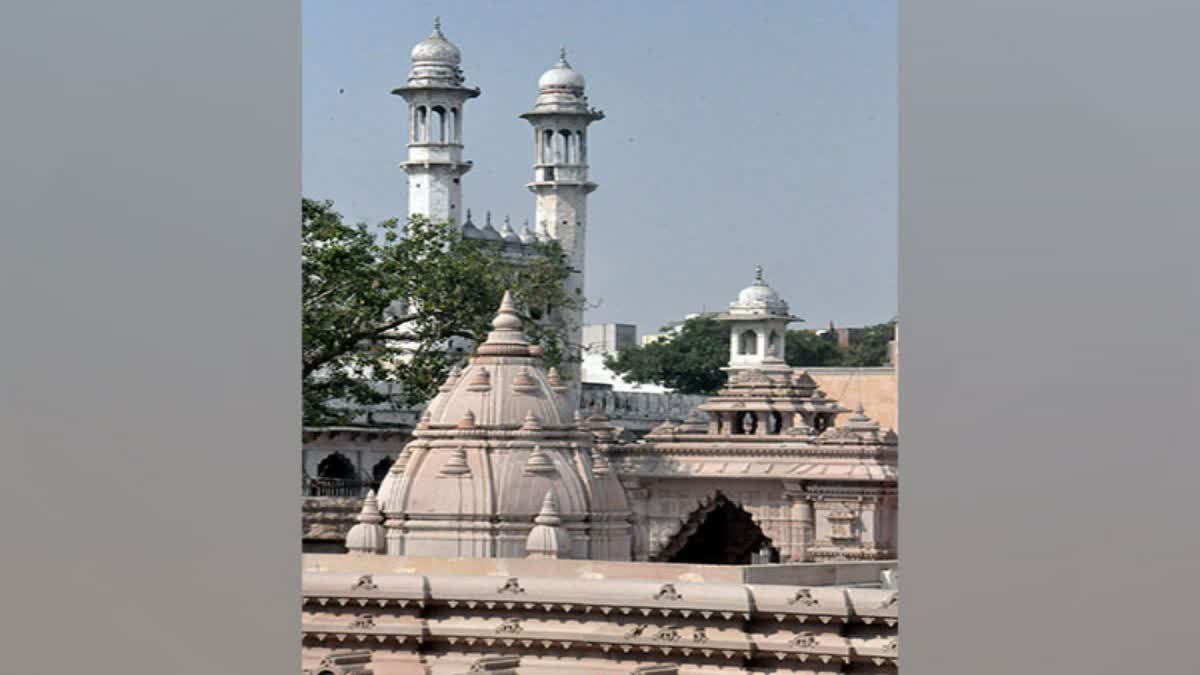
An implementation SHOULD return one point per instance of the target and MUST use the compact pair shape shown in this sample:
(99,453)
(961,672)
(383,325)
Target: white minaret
(435,95)
(758,322)
(560,118)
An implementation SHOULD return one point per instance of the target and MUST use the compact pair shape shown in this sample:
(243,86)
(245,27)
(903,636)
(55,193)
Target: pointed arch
(421,128)
(438,125)
(718,532)
(337,466)
(380,471)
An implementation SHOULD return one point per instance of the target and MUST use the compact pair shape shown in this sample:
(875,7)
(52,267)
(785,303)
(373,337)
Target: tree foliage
(381,305)
(690,361)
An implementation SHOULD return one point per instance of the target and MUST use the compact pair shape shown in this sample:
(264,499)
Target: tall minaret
(560,118)
(435,95)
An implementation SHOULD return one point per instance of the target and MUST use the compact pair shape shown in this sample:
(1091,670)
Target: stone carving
(363,621)
(456,465)
(803,596)
(842,525)
(637,630)
(668,592)
(512,585)
(510,625)
(893,644)
(481,380)
(805,639)
(523,383)
(892,600)
(365,583)
(668,634)
(538,463)
(699,634)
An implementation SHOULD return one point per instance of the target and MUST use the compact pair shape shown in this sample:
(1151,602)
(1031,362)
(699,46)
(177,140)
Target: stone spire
(548,539)
(502,398)
(368,536)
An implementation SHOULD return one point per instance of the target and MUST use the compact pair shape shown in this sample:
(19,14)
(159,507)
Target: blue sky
(737,134)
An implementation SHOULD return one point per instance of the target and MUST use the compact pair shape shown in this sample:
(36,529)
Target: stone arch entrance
(337,466)
(719,533)
(380,471)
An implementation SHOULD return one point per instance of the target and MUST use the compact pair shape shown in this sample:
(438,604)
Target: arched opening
(580,148)
(336,466)
(773,344)
(774,422)
(568,151)
(820,423)
(380,470)
(547,146)
(455,126)
(749,423)
(421,132)
(559,150)
(720,533)
(748,343)
(439,124)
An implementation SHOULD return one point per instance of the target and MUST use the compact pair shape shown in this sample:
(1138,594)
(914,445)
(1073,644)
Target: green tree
(872,348)
(689,362)
(380,305)
(806,349)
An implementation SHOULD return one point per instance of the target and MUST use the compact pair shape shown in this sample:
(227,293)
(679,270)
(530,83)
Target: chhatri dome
(561,76)
(436,48)
(500,445)
(560,90)
(758,299)
(758,327)
(436,66)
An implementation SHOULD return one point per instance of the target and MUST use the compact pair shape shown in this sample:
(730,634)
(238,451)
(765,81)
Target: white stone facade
(435,94)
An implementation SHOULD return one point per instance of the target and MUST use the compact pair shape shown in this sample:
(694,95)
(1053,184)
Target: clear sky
(737,134)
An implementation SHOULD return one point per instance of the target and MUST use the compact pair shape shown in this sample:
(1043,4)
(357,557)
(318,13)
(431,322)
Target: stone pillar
(639,503)
(801,520)
(394,536)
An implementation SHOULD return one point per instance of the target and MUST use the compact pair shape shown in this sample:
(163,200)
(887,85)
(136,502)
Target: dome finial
(758,274)
(562,56)
(437,25)
(506,319)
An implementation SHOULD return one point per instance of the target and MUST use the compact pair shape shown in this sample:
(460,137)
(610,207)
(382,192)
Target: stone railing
(639,409)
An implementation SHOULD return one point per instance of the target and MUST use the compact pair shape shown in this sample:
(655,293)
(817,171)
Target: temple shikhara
(512,529)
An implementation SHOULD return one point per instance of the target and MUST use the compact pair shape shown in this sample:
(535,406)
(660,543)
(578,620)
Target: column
(796,549)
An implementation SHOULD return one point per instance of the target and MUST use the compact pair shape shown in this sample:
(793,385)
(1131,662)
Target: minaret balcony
(560,173)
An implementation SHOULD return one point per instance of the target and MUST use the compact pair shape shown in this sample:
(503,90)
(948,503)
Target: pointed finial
(437,24)
(468,215)
(506,224)
(758,273)
(548,514)
(488,218)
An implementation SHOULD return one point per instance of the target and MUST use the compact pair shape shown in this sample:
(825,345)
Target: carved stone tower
(435,96)
(560,118)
